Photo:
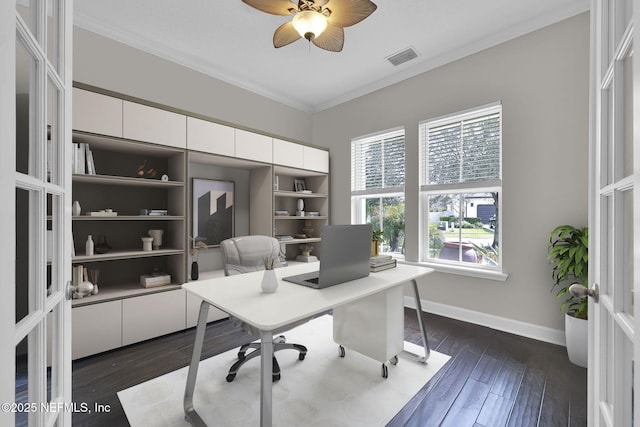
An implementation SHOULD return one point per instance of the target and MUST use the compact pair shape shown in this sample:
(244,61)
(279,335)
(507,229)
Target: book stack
(381,262)
(158,212)
(153,280)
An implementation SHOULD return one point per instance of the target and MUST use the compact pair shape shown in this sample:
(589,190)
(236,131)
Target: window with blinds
(461,186)
(377,186)
(377,162)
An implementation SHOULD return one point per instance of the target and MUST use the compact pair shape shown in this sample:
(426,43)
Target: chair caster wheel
(385,371)
(301,356)
(241,355)
(275,377)
(230,377)
(341,351)
(394,360)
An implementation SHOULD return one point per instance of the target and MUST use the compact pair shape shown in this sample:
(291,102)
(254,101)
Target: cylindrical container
(147,244)
(89,246)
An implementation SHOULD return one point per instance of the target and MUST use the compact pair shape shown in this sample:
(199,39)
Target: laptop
(346,252)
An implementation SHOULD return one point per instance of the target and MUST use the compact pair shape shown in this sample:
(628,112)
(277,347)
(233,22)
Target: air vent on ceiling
(403,56)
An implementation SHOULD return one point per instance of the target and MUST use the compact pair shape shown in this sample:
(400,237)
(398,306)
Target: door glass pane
(53,144)
(27,11)
(26,241)
(25,109)
(627,255)
(606,149)
(627,115)
(22,380)
(53,27)
(52,237)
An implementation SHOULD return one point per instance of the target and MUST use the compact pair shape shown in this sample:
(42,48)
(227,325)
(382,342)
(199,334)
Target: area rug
(323,390)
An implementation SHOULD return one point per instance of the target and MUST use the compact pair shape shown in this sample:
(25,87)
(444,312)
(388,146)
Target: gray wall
(114,66)
(542,80)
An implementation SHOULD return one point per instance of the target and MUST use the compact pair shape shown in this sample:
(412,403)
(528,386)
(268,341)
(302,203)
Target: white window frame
(358,214)
(485,186)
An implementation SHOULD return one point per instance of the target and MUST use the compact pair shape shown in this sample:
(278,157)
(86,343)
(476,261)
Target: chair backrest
(245,254)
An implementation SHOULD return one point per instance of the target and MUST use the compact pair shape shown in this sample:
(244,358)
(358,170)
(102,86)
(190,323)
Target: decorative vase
(194,270)
(577,335)
(269,282)
(157,238)
(146,243)
(76,209)
(374,248)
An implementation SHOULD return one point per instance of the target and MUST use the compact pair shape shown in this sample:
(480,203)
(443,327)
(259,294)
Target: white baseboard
(540,333)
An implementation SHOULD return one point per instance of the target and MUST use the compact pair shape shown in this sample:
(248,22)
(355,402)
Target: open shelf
(114,255)
(117,292)
(130,218)
(124,180)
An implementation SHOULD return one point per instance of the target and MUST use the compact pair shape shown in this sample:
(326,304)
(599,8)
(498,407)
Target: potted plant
(376,239)
(569,255)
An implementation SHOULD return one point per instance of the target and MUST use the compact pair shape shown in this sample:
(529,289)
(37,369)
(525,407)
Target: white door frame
(614,220)
(45,28)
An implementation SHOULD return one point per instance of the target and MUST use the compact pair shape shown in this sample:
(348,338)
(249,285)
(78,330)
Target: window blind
(462,150)
(378,162)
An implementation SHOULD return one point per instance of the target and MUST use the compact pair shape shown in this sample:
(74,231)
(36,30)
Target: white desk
(240,296)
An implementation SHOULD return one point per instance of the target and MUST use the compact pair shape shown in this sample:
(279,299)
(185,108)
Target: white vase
(146,243)
(76,209)
(269,282)
(577,335)
(157,238)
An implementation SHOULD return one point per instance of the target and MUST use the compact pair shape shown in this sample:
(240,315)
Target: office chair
(243,255)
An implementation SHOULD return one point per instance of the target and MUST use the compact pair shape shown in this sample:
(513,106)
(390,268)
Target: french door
(614,215)
(35,190)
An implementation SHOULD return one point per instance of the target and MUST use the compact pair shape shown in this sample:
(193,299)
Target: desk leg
(266,378)
(423,330)
(190,413)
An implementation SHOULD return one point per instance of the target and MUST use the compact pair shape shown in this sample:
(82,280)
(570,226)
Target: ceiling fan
(319,21)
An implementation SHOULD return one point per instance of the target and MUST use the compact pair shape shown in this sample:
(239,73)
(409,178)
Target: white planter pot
(577,335)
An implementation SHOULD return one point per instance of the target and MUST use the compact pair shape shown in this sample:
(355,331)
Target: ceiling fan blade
(274,7)
(345,13)
(331,39)
(285,34)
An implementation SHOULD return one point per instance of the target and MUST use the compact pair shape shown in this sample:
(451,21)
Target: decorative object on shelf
(306,254)
(308,230)
(154,279)
(194,252)
(81,286)
(376,238)
(213,210)
(164,177)
(300,205)
(102,212)
(320,22)
(88,246)
(299,185)
(145,173)
(76,210)
(146,243)
(101,246)
(157,238)
(269,280)
(94,274)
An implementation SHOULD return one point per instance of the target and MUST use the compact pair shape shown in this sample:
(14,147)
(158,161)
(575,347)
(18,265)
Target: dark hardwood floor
(493,378)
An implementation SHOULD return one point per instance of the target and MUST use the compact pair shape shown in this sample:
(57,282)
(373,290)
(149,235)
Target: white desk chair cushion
(246,254)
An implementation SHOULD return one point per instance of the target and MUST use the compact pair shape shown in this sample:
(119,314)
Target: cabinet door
(210,137)
(316,159)
(96,328)
(193,309)
(149,124)
(253,146)
(96,113)
(150,316)
(287,153)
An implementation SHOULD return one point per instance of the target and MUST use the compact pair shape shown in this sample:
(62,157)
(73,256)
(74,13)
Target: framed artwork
(299,185)
(213,210)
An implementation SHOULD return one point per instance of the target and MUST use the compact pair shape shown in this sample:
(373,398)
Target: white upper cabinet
(150,124)
(96,113)
(316,159)
(287,153)
(210,137)
(254,146)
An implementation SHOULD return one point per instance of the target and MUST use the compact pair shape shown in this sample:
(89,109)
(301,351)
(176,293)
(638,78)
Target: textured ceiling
(233,42)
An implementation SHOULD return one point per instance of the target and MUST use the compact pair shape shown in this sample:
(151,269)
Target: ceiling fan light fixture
(309,23)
